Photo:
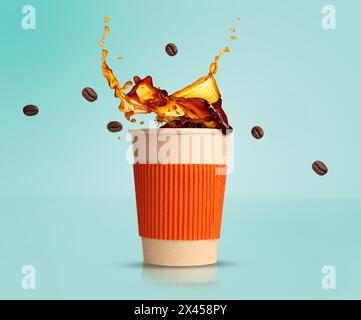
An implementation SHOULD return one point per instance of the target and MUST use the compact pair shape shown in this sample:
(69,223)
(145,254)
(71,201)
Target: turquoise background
(66,190)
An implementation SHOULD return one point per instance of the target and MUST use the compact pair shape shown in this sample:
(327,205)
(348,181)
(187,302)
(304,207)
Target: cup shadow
(199,276)
(141,265)
(192,276)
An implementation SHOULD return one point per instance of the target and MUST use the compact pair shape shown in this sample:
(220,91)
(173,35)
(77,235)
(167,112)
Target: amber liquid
(198,105)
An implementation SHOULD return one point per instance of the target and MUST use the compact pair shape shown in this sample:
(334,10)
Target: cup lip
(179,130)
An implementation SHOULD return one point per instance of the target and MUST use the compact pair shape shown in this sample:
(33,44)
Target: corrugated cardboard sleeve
(179,201)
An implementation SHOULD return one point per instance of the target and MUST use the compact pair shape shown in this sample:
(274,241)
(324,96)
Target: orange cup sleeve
(179,201)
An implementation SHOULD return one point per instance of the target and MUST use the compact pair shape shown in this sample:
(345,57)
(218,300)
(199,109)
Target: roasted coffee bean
(257,132)
(114,126)
(171,49)
(319,167)
(89,94)
(30,110)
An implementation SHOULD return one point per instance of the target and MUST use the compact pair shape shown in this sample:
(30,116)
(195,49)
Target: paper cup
(180,177)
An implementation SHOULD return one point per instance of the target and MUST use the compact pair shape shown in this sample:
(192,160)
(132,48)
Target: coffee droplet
(257,132)
(320,168)
(233,37)
(89,94)
(106,19)
(30,110)
(105,34)
(171,49)
(115,126)
(141,123)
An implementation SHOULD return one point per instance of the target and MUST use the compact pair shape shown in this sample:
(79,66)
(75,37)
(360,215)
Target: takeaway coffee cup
(180,178)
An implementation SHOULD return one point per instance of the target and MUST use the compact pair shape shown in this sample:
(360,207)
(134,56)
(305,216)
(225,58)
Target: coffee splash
(198,105)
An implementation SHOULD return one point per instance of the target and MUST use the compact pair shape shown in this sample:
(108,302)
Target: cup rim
(179,130)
